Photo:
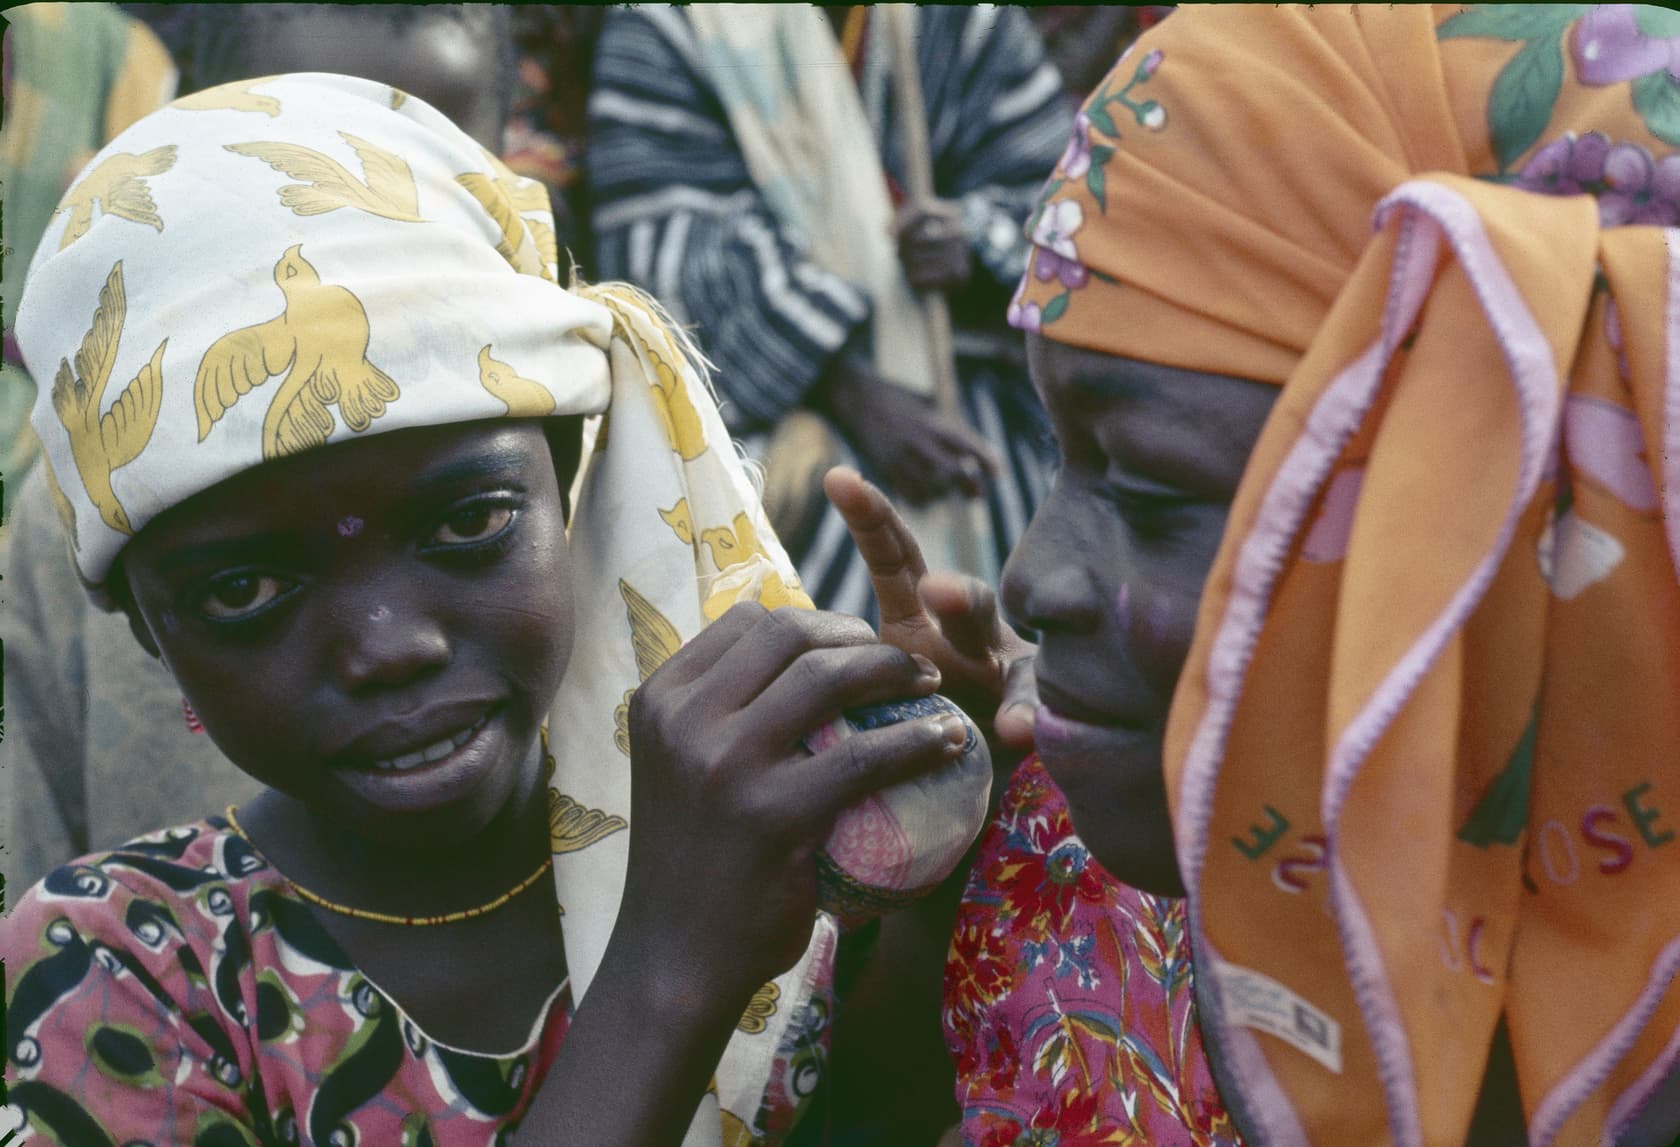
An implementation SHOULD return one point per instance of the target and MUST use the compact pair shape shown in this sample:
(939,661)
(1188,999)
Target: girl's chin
(1120,813)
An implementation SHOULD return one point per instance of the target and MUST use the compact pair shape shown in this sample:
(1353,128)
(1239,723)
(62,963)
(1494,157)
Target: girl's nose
(383,645)
(1046,586)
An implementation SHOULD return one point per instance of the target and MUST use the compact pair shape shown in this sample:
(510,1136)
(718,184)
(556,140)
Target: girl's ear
(142,632)
(123,594)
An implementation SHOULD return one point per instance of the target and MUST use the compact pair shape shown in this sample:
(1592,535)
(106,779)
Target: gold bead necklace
(391,918)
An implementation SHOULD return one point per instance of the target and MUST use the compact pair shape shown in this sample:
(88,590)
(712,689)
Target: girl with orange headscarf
(1369,319)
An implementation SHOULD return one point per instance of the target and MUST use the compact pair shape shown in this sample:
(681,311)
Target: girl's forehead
(1184,419)
(342,486)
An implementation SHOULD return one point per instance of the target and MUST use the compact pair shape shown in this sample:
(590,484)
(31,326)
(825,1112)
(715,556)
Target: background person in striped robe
(682,114)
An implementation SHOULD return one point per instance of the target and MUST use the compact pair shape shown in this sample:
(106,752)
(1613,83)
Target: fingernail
(955,731)
(928,668)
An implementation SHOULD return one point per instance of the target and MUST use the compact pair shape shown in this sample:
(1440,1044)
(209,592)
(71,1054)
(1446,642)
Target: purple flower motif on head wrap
(1027,317)
(1076,159)
(1609,46)
(1632,187)
(1057,223)
(1569,165)
(1049,265)
(1638,189)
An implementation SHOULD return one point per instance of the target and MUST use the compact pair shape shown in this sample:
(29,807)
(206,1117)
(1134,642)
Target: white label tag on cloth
(1255,1000)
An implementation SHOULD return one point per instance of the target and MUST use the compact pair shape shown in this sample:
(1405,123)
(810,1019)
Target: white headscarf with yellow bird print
(274,265)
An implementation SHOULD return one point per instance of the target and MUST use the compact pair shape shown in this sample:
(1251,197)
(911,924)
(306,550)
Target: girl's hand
(950,619)
(728,809)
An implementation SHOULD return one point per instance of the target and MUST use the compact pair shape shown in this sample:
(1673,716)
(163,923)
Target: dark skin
(1109,576)
(921,453)
(332,611)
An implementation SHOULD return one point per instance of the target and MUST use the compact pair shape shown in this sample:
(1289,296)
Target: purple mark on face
(349,526)
(380,613)
(1050,727)
(1123,610)
(171,623)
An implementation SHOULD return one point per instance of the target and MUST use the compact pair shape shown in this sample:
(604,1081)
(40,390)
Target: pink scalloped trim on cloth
(1429,214)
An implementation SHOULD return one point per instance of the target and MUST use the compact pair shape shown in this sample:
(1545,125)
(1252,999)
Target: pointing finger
(884,542)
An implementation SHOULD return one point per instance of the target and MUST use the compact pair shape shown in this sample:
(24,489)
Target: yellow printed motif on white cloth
(101,443)
(654,640)
(514,204)
(306,313)
(320,339)
(118,185)
(327,185)
(523,397)
(234,97)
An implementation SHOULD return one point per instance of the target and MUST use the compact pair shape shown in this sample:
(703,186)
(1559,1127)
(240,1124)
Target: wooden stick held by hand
(964,518)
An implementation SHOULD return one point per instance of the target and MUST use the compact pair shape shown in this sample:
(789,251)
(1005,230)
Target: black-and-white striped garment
(676,212)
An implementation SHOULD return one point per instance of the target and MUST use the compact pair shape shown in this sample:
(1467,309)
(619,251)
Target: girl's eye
(233,597)
(475,523)
(1152,514)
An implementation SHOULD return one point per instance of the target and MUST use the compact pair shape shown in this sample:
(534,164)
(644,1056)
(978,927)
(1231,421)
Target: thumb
(1014,721)
(967,612)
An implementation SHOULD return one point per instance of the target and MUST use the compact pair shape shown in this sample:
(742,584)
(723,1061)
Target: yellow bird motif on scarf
(548,246)
(731,546)
(525,194)
(680,520)
(747,572)
(101,443)
(676,409)
(320,339)
(235,97)
(327,185)
(118,185)
(506,198)
(523,397)
(681,420)
(653,639)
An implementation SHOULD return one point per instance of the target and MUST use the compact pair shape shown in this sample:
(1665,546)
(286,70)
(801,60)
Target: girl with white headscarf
(317,401)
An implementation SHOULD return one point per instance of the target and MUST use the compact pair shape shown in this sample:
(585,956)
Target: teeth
(436,751)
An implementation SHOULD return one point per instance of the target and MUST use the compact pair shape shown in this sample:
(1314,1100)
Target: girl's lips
(438,777)
(434,752)
(1050,725)
(1099,753)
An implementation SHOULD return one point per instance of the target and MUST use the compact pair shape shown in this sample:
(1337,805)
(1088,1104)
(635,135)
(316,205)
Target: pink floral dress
(176,991)
(1068,1002)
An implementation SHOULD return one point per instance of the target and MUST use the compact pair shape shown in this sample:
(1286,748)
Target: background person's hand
(922,454)
(728,810)
(932,246)
(951,619)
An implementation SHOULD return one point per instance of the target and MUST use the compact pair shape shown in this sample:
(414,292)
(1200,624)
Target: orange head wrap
(1425,753)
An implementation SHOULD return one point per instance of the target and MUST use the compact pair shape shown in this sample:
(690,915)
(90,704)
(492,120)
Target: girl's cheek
(1157,627)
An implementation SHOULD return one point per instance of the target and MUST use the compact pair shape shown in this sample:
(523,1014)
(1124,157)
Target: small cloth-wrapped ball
(898,844)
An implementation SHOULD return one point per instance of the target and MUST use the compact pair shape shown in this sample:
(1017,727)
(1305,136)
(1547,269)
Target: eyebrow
(216,551)
(494,462)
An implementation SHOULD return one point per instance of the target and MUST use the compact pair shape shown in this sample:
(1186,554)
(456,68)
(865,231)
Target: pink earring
(193,723)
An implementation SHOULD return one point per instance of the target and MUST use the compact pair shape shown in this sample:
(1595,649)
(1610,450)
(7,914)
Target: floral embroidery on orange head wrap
(1450,573)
